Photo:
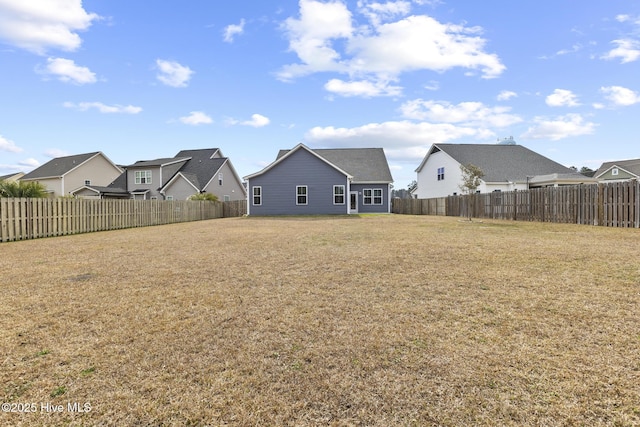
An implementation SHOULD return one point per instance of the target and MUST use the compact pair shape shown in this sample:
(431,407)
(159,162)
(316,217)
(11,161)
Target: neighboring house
(12,177)
(302,181)
(62,175)
(205,172)
(620,170)
(506,167)
(174,178)
(146,178)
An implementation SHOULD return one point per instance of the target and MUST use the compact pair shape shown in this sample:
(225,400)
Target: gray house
(175,178)
(619,170)
(302,181)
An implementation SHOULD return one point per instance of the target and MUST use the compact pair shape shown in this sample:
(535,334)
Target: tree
(204,196)
(30,189)
(471,180)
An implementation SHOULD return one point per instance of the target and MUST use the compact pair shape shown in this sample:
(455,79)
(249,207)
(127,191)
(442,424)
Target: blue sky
(143,80)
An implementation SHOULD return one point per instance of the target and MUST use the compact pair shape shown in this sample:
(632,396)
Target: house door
(353,204)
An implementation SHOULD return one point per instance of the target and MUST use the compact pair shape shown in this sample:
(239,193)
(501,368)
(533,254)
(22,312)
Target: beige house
(12,177)
(62,175)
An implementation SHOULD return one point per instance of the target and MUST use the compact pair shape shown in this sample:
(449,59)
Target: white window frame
(258,195)
(337,195)
(169,198)
(377,193)
(370,196)
(220,178)
(143,177)
(441,174)
(87,182)
(299,195)
(614,171)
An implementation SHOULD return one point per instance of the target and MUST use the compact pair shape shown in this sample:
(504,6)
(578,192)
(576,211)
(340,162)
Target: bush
(22,189)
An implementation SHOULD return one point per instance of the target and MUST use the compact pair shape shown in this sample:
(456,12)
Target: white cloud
(30,163)
(562,98)
(620,96)
(628,50)
(55,153)
(38,25)
(326,38)
(257,121)
(506,95)
(8,145)
(103,108)
(172,73)
(363,88)
(559,128)
(468,113)
(230,31)
(67,71)
(196,118)
(378,12)
(403,140)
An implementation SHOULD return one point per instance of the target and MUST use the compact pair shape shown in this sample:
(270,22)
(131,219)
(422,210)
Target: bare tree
(471,180)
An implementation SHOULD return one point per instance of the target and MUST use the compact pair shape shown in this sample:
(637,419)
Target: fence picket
(22,218)
(614,204)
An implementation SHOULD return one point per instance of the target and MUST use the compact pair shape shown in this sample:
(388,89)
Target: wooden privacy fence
(22,219)
(612,205)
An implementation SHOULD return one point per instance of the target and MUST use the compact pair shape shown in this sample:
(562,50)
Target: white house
(506,167)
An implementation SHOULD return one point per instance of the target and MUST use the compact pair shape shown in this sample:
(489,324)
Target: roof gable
(60,166)
(363,165)
(631,166)
(202,167)
(284,154)
(499,162)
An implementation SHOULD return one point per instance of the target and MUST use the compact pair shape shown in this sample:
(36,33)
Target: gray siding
(230,185)
(300,168)
(362,208)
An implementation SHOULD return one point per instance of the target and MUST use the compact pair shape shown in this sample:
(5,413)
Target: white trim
(176,176)
(355,211)
(306,195)
(373,197)
(344,195)
(289,153)
(253,196)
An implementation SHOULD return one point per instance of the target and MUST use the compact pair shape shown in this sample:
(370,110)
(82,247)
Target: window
(372,196)
(143,177)
(441,174)
(614,171)
(169,198)
(367,196)
(220,179)
(301,195)
(87,182)
(227,198)
(257,196)
(377,196)
(338,194)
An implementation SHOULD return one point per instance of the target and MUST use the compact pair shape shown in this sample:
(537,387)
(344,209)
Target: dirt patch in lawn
(374,320)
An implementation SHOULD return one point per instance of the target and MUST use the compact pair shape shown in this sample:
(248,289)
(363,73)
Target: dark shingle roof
(201,168)
(502,163)
(158,162)
(364,164)
(59,166)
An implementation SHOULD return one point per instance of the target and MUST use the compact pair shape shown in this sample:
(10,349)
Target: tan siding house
(62,175)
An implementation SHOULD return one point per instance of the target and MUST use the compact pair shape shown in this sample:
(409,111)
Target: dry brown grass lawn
(374,320)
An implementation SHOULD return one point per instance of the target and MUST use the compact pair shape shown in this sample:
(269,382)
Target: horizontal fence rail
(22,219)
(614,204)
